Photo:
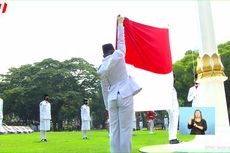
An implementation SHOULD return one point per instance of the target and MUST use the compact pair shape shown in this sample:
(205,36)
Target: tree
(184,70)
(224,50)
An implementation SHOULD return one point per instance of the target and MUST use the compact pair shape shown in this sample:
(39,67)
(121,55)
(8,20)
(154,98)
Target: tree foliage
(68,82)
(184,70)
(224,50)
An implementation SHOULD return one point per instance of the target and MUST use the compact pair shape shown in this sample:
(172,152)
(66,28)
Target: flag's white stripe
(157,90)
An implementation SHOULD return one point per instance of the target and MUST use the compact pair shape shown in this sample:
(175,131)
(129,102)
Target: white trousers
(166,126)
(173,123)
(141,125)
(1,125)
(121,118)
(85,125)
(84,134)
(45,124)
(43,134)
(151,126)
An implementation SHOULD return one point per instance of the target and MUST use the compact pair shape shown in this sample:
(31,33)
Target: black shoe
(43,140)
(174,141)
(84,138)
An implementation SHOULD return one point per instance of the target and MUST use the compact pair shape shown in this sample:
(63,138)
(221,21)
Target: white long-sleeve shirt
(45,110)
(193,95)
(85,113)
(113,73)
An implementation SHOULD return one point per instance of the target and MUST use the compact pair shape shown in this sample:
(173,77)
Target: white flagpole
(211,79)
(206,28)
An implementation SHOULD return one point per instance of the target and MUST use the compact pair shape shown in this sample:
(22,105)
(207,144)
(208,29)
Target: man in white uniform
(45,117)
(173,117)
(166,123)
(118,89)
(151,117)
(134,123)
(193,94)
(85,118)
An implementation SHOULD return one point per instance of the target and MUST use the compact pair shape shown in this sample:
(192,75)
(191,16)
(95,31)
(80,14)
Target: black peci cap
(85,101)
(107,48)
(45,95)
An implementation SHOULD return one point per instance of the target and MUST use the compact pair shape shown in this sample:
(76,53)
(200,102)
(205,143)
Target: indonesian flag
(148,50)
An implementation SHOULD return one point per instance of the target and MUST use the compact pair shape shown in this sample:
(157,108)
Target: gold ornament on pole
(209,66)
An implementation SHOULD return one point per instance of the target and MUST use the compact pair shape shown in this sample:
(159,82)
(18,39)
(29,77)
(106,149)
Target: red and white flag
(148,50)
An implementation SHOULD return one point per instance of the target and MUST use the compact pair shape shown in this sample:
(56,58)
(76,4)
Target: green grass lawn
(71,142)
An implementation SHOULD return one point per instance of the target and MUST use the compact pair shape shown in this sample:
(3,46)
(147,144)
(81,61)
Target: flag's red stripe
(4,8)
(147,47)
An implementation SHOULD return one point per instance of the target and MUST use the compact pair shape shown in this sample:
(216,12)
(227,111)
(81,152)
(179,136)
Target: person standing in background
(166,123)
(45,117)
(134,123)
(85,118)
(141,124)
(193,94)
(151,116)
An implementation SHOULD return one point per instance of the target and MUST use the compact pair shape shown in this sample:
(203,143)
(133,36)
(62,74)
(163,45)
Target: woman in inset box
(197,124)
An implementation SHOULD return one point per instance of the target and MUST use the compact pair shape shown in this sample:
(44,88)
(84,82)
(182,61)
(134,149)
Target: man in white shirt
(193,95)
(85,118)
(45,117)
(166,123)
(118,89)
(151,117)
